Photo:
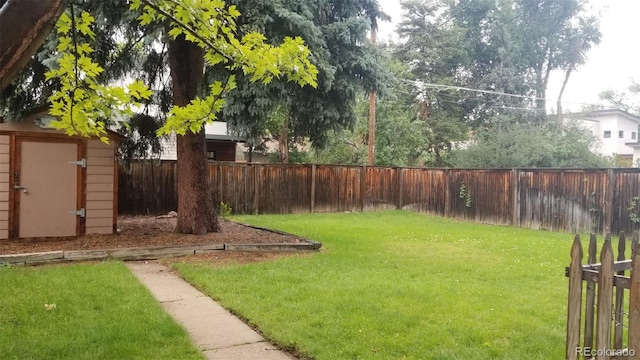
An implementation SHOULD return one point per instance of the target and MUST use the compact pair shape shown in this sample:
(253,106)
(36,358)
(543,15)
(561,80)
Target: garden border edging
(156,252)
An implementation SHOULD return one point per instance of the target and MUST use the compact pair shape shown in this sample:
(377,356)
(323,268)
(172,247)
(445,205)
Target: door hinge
(82,162)
(82,212)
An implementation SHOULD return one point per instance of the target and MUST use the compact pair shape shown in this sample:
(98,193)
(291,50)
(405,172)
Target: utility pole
(372,115)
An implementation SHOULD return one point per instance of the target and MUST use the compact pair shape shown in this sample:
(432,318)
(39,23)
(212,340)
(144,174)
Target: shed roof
(32,122)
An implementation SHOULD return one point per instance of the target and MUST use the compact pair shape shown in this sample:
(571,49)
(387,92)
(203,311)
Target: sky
(609,65)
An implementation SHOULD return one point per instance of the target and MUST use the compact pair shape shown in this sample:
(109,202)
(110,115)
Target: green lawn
(101,312)
(401,285)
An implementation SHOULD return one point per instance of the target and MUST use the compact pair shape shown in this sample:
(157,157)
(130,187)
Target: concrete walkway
(214,330)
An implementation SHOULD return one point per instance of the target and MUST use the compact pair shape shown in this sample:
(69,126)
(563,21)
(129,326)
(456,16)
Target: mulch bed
(145,231)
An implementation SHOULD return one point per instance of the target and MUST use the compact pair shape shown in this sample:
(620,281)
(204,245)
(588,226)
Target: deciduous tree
(199,33)
(502,46)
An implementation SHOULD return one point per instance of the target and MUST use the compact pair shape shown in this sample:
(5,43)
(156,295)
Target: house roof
(596,114)
(219,131)
(231,138)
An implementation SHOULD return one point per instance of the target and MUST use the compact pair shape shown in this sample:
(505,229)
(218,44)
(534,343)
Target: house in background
(220,145)
(616,131)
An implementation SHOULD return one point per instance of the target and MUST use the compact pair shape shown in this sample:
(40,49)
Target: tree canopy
(502,46)
(337,36)
(510,145)
(255,62)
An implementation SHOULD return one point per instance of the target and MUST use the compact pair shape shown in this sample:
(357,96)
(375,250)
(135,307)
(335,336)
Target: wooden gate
(599,292)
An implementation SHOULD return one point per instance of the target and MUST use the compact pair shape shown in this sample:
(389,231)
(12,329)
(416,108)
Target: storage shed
(55,185)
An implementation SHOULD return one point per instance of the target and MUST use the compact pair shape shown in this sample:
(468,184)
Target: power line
(462,88)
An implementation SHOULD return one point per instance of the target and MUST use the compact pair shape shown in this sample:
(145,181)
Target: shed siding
(4,186)
(99,188)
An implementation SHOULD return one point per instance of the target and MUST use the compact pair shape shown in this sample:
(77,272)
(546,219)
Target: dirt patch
(144,231)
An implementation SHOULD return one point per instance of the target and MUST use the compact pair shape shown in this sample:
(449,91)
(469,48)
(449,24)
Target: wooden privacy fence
(602,292)
(573,200)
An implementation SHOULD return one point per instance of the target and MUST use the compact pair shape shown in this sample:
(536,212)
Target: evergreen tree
(337,35)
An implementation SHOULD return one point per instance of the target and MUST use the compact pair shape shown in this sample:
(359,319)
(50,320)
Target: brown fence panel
(626,188)
(424,190)
(381,188)
(338,188)
(481,195)
(147,187)
(232,184)
(562,200)
(283,189)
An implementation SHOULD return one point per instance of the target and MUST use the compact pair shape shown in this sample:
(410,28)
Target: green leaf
(139,90)
(175,32)
(64,24)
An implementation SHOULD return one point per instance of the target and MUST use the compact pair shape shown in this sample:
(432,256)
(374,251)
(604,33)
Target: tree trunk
(559,103)
(540,103)
(438,158)
(23,27)
(283,142)
(196,213)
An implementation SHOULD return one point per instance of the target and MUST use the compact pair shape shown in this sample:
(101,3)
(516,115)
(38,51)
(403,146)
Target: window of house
(621,134)
(607,134)
(211,155)
(633,135)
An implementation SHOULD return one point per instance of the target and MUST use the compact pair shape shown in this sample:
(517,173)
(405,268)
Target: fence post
(589,307)
(608,201)
(515,193)
(605,299)
(256,189)
(220,187)
(634,301)
(399,170)
(447,195)
(313,188)
(619,311)
(363,186)
(575,300)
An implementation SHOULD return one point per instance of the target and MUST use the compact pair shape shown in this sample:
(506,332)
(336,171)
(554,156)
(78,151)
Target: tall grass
(92,311)
(400,285)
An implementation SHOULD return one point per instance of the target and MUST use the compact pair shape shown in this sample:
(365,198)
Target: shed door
(49,189)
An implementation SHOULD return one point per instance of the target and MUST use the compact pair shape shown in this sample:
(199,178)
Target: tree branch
(24,25)
(75,65)
(190,30)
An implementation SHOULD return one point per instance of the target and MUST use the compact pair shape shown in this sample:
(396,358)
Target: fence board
(605,294)
(574,300)
(619,301)
(634,302)
(590,300)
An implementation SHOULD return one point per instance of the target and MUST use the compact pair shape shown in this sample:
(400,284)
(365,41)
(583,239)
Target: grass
(101,312)
(400,285)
